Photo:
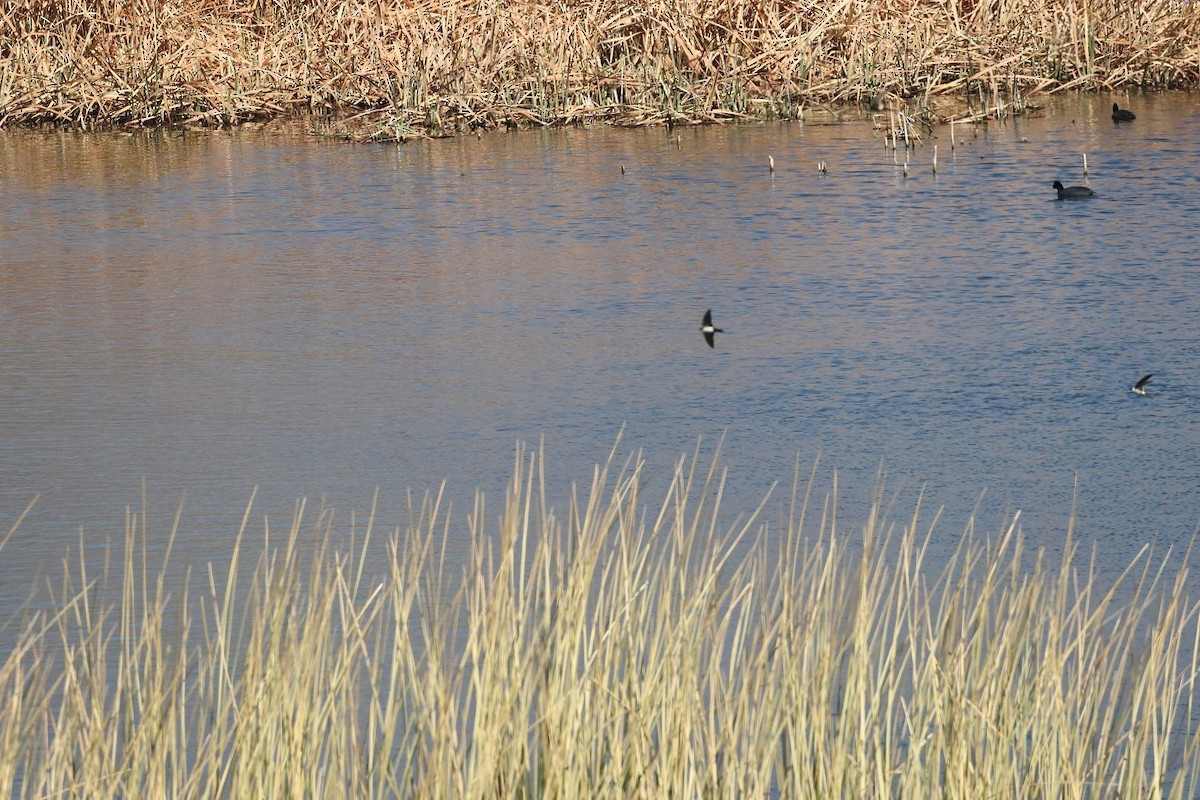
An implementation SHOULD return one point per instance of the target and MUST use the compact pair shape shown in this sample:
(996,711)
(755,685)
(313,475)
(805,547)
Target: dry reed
(615,652)
(423,67)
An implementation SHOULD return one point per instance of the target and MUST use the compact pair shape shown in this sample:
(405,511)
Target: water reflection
(215,312)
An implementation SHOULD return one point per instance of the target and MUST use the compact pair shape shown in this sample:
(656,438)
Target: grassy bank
(416,67)
(618,650)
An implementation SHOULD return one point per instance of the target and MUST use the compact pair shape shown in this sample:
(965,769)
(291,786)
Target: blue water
(201,314)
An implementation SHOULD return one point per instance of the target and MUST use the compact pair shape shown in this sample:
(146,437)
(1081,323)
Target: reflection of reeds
(610,652)
(416,68)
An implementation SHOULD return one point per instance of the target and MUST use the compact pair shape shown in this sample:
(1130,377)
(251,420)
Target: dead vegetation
(401,68)
(621,650)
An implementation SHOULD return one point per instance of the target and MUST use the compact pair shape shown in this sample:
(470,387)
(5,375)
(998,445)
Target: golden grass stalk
(436,66)
(619,650)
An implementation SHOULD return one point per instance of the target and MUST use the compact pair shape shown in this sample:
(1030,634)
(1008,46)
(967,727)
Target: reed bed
(428,67)
(619,651)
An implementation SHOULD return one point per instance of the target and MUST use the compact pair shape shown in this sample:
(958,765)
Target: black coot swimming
(1072,192)
(1121,115)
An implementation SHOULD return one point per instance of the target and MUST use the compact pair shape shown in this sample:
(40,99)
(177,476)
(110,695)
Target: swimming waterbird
(1072,192)
(707,328)
(1140,386)
(1121,115)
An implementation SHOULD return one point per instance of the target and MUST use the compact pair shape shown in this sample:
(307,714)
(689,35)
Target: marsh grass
(620,650)
(391,69)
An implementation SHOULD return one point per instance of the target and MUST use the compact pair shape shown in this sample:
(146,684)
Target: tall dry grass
(619,650)
(420,66)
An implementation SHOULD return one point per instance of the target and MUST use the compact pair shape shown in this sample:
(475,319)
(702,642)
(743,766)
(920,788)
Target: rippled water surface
(207,313)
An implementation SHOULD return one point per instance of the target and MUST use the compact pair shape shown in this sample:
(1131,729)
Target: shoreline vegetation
(397,69)
(620,650)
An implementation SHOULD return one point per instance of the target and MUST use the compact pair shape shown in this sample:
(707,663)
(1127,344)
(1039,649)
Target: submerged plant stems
(432,67)
(613,653)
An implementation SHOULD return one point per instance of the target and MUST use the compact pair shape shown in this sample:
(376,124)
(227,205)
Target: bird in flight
(707,328)
(1140,386)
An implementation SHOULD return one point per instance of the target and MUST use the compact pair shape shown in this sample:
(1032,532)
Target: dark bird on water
(1121,115)
(707,328)
(1072,192)
(1140,386)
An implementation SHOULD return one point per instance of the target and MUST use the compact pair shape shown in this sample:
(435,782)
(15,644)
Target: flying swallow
(707,328)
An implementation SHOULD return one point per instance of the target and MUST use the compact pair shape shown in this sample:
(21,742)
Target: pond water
(199,314)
